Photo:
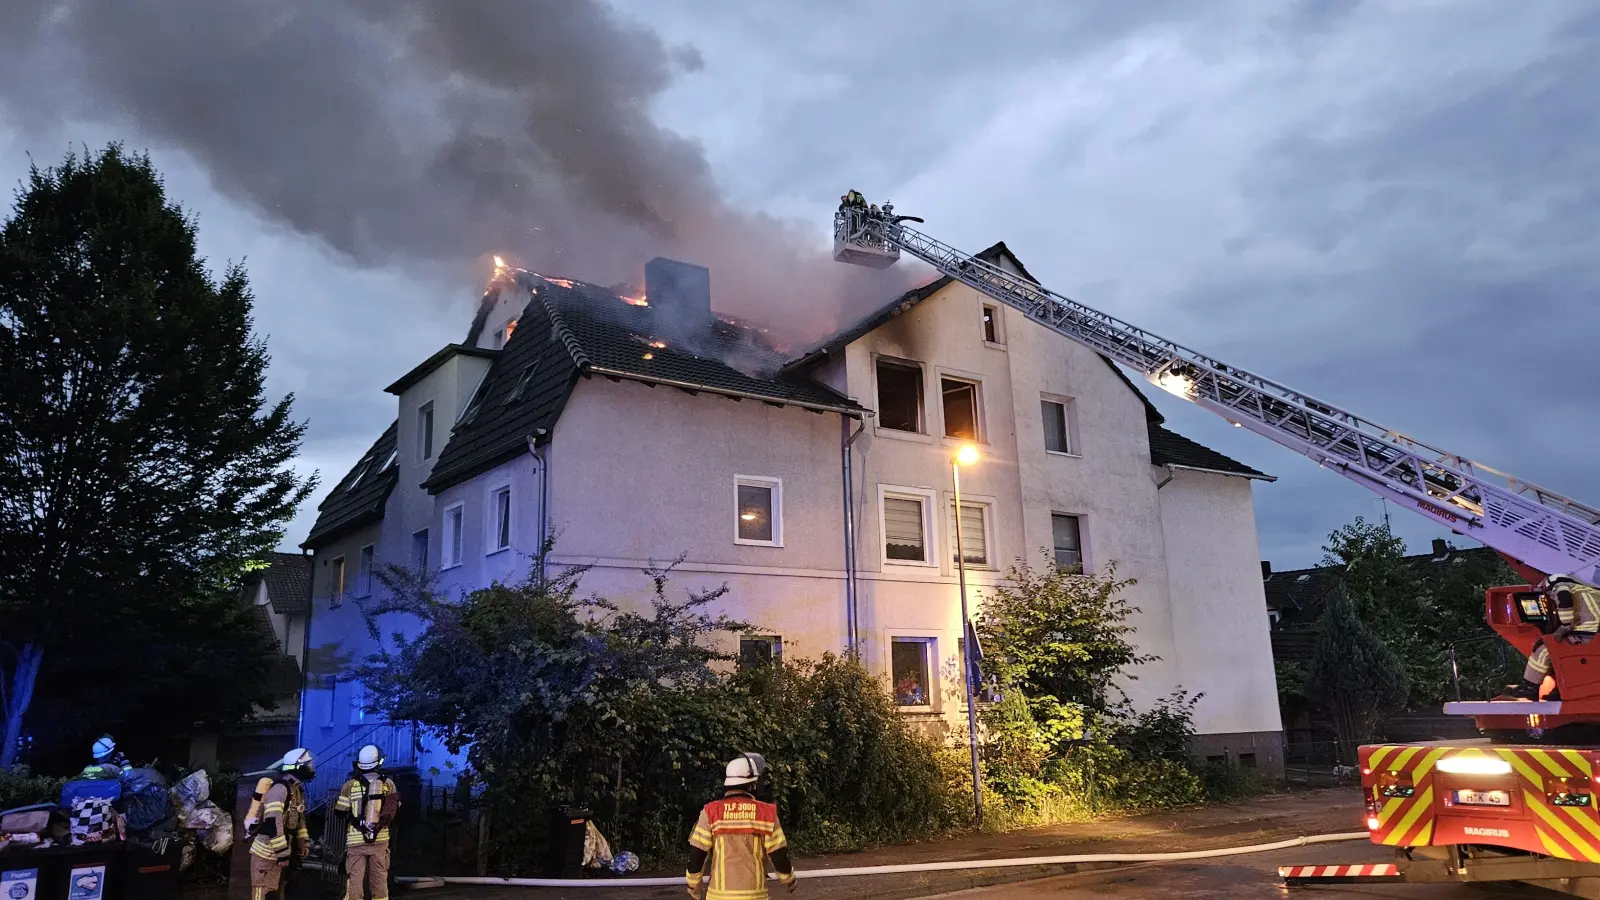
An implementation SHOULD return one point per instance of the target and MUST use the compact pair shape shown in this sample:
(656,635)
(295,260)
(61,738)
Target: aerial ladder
(1520,806)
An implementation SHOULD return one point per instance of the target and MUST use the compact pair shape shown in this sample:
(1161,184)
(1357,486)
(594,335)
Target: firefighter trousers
(366,866)
(1539,660)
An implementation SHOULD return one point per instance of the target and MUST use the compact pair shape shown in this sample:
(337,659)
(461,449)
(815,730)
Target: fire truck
(1518,804)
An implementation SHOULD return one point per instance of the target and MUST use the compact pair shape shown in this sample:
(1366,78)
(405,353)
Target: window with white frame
(991,324)
(503,336)
(364,572)
(910,672)
(450,537)
(758,510)
(336,589)
(974,532)
(961,416)
(907,526)
(899,395)
(419,550)
(1060,416)
(1067,536)
(499,519)
(425,430)
(759,650)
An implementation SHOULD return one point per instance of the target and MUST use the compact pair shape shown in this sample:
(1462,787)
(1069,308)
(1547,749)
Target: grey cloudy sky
(1390,205)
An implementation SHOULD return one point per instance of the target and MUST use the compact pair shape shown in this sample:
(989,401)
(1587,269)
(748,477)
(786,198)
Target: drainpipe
(544,493)
(305,649)
(847,474)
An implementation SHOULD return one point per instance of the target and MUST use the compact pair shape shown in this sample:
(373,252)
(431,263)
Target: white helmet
(744,769)
(298,762)
(1551,581)
(369,758)
(104,747)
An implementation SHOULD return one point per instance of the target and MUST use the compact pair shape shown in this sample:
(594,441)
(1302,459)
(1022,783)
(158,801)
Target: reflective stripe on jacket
(738,834)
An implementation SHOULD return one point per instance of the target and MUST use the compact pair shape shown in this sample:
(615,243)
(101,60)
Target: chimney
(1266,569)
(1440,548)
(679,294)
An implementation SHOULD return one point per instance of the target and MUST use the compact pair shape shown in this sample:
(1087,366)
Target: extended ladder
(1538,527)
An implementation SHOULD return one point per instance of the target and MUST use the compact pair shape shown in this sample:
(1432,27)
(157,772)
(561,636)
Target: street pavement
(1251,877)
(1259,821)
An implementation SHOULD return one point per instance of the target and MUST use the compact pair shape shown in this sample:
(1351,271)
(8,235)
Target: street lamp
(967,456)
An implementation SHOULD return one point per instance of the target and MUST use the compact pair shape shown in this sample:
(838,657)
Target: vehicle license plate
(1483,798)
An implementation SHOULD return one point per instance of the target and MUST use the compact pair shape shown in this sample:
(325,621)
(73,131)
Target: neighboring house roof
(1168,448)
(359,497)
(288,579)
(585,330)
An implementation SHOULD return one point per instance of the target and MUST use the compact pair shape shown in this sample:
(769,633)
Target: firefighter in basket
(277,814)
(736,836)
(1577,614)
(369,800)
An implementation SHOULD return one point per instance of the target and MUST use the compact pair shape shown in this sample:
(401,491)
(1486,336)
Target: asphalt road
(1253,877)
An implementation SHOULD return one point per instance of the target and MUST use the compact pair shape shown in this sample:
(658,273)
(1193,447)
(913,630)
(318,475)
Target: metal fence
(1315,764)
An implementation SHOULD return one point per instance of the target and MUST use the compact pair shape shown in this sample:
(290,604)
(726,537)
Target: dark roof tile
(288,579)
(1168,448)
(358,499)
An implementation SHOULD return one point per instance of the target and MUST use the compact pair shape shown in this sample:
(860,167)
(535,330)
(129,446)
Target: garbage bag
(219,838)
(186,858)
(207,816)
(146,803)
(596,849)
(194,790)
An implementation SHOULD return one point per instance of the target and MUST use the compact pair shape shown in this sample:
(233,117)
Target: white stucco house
(817,488)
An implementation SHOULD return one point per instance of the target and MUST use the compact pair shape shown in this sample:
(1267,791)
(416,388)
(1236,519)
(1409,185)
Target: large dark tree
(1354,674)
(142,471)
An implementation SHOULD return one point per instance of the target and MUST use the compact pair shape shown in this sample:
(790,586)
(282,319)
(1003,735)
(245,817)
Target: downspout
(544,495)
(847,474)
(305,649)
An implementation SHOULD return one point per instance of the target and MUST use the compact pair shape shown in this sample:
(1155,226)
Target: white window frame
(336,595)
(492,545)
(425,427)
(986,504)
(930,532)
(761,481)
(366,561)
(976,381)
(923,432)
(931,660)
(426,535)
(1083,537)
(448,538)
(1069,410)
(999,342)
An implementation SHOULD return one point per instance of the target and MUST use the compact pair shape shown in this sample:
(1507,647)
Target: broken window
(1068,539)
(908,658)
(899,396)
(960,409)
(904,536)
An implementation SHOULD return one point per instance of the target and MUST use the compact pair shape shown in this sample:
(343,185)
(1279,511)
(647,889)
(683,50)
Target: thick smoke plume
(425,134)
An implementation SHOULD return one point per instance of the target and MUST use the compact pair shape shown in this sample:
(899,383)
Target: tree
(142,471)
(1353,673)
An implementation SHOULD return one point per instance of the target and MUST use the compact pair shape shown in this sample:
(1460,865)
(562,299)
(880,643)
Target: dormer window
(503,336)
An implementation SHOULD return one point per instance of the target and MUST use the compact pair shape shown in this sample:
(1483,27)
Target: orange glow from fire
(499,263)
(564,282)
(649,356)
(659,345)
(636,301)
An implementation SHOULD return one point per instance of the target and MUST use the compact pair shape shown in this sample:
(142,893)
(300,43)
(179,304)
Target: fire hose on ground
(956,865)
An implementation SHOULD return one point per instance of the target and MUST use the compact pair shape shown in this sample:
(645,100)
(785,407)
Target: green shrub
(20,787)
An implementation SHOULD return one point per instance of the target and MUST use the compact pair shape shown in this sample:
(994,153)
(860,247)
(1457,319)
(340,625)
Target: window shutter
(902,528)
(974,547)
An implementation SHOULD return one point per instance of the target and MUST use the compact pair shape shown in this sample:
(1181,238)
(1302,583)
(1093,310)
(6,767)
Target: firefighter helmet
(743,770)
(104,747)
(298,762)
(369,758)
(1550,581)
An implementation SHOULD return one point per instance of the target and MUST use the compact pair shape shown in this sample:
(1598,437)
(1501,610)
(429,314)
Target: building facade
(817,487)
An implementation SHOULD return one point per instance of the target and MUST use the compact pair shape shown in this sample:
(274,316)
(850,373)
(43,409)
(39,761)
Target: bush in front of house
(20,787)
(560,699)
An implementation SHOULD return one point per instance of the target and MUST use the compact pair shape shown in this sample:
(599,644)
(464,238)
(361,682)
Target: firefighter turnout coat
(732,842)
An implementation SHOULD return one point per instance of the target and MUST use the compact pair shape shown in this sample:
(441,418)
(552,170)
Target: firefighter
(1577,607)
(735,836)
(108,761)
(854,200)
(283,816)
(369,799)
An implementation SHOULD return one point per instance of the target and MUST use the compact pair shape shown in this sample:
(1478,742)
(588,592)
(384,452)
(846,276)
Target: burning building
(814,484)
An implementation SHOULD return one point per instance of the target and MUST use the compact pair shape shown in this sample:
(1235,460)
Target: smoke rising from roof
(425,135)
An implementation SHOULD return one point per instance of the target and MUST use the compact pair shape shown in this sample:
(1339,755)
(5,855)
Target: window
(906,527)
(425,430)
(357,474)
(358,703)
(389,463)
(974,533)
(364,573)
(1060,425)
(1247,760)
(450,538)
(503,336)
(419,550)
(960,409)
(336,592)
(899,396)
(1067,536)
(991,324)
(908,664)
(759,650)
(500,525)
(523,381)
(758,511)
(479,394)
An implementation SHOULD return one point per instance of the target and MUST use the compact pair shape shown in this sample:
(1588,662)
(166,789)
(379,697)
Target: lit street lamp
(966,456)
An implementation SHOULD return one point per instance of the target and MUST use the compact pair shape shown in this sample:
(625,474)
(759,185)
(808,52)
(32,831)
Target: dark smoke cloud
(425,135)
